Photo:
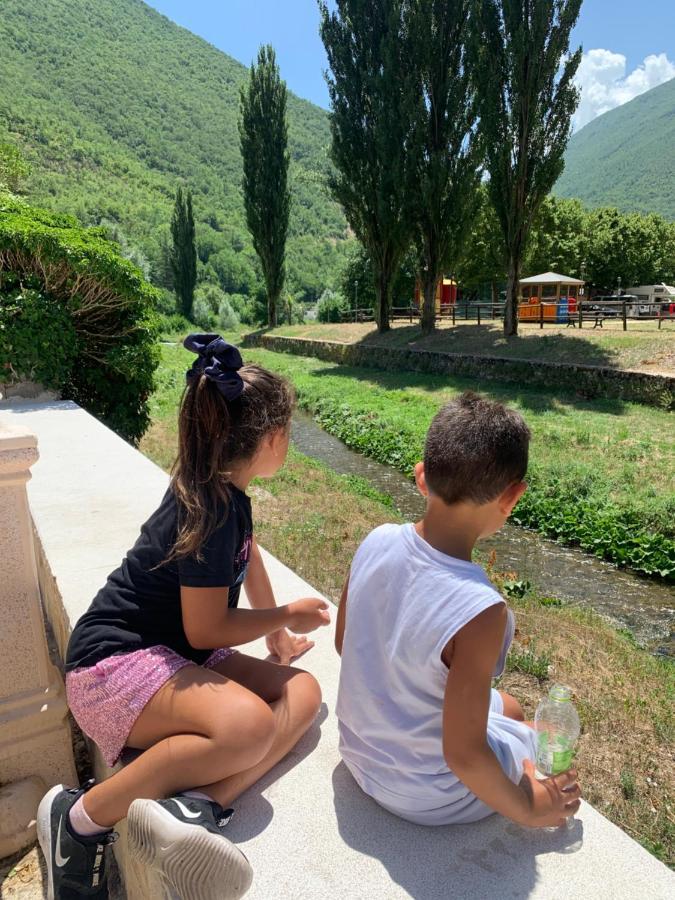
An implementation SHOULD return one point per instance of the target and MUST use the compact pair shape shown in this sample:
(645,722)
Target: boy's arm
(475,649)
(261,596)
(341,618)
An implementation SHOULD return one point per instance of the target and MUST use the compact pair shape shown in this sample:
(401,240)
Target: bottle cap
(560,692)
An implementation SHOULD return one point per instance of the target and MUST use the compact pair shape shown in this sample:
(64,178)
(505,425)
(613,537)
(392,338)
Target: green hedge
(76,316)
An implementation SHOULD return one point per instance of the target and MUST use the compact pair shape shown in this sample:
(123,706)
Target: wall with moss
(589,381)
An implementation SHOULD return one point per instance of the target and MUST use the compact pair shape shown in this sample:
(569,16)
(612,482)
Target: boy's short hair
(475,449)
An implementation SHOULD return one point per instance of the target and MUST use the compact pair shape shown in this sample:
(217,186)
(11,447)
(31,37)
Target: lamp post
(356,298)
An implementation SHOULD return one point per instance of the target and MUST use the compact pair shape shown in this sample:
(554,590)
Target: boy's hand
(308,614)
(286,647)
(551,800)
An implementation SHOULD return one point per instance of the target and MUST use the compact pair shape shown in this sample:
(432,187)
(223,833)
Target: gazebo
(556,293)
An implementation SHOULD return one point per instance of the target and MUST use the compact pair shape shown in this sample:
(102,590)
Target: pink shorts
(106,699)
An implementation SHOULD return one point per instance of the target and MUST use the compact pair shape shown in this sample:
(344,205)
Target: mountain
(626,157)
(113,105)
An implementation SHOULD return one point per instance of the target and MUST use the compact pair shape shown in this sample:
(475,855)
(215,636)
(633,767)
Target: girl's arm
(475,649)
(209,623)
(261,596)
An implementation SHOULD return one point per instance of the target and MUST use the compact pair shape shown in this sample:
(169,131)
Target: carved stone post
(35,737)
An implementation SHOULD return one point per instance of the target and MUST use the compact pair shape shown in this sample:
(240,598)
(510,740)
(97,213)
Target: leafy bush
(76,315)
(227,317)
(29,320)
(331,307)
(202,314)
(174,326)
(210,295)
(166,302)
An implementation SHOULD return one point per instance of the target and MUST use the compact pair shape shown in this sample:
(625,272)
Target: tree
(13,168)
(184,252)
(446,173)
(483,259)
(635,248)
(557,238)
(526,97)
(371,119)
(263,133)
(357,284)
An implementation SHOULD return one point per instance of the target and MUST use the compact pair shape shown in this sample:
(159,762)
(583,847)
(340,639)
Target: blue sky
(638,40)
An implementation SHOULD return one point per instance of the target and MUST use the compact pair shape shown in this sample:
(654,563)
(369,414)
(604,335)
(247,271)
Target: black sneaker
(76,865)
(179,843)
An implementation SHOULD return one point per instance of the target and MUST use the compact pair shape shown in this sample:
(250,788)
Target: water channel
(644,606)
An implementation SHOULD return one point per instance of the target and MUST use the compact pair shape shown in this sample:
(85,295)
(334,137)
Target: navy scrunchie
(218,360)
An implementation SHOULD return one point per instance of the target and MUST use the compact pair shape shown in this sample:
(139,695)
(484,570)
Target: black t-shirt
(139,606)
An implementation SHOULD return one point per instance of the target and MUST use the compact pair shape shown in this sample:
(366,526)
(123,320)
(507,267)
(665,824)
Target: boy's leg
(198,727)
(294,697)
(512,709)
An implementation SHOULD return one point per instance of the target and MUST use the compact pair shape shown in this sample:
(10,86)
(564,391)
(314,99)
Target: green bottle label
(555,756)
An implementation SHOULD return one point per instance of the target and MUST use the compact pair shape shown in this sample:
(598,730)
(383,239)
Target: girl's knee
(249,727)
(306,695)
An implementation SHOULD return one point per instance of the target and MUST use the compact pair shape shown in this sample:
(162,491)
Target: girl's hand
(551,800)
(286,647)
(308,614)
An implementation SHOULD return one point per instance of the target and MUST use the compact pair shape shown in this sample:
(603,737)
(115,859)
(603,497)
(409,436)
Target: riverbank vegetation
(313,520)
(601,470)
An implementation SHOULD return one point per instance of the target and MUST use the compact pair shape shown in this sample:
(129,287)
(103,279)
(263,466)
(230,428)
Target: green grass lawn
(601,471)
(313,520)
(642,346)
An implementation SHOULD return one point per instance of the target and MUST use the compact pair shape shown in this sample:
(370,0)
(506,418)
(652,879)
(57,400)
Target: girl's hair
(214,433)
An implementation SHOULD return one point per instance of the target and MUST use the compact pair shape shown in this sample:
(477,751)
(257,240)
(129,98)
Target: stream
(644,606)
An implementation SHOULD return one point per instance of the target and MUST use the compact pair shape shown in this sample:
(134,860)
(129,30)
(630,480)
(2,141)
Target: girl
(150,666)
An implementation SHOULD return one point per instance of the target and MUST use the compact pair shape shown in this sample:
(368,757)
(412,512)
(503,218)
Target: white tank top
(406,600)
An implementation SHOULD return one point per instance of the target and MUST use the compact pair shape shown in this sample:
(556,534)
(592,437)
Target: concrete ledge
(589,381)
(308,830)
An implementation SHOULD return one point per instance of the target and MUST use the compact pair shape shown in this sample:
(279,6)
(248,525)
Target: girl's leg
(512,709)
(198,727)
(293,695)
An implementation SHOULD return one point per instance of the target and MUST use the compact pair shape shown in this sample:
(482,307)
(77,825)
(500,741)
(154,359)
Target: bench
(308,830)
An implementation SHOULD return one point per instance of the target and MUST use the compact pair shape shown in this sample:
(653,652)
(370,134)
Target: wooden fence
(542,313)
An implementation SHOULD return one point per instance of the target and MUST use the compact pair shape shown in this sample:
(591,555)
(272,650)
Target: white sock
(197,795)
(80,821)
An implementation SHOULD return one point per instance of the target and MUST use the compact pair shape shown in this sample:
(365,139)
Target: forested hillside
(113,106)
(626,157)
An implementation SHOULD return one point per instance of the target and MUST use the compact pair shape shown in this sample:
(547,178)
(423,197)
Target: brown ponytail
(214,433)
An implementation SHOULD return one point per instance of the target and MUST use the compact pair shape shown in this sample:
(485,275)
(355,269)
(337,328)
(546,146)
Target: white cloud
(604,83)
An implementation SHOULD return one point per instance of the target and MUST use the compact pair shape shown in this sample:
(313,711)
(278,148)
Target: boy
(422,632)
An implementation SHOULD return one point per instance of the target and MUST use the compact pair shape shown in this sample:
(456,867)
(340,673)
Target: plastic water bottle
(556,722)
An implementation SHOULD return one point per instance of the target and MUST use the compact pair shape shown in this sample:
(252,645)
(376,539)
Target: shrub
(202,314)
(174,327)
(209,295)
(227,317)
(331,306)
(66,290)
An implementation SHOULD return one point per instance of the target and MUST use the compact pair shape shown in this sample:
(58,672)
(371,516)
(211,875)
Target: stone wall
(589,381)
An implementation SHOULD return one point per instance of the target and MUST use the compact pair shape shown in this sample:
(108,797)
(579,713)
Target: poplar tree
(263,133)
(183,256)
(526,98)
(447,173)
(371,119)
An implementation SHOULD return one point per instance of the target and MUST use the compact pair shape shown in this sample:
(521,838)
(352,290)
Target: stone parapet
(35,739)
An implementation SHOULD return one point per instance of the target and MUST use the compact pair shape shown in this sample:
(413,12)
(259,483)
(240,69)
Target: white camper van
(652,299)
